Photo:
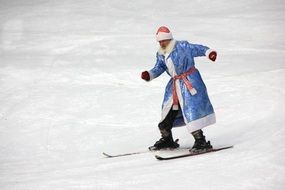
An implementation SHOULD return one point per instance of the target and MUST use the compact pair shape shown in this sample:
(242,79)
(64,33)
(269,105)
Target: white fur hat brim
(163,36)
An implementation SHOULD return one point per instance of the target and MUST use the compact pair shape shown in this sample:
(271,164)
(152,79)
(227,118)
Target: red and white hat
(163,33)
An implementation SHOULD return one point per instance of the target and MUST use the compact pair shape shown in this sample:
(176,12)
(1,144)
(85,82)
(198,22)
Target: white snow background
(70,89)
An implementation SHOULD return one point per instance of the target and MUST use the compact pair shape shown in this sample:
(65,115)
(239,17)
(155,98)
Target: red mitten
(145,76)
(213,55)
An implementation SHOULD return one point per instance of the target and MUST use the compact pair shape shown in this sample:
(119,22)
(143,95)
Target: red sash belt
(188,84)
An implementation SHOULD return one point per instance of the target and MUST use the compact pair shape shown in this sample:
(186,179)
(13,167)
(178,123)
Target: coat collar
(168,49)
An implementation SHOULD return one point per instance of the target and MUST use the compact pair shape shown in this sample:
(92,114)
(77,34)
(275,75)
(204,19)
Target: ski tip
(226,147)
(221,148)
(107,155)
(158,157)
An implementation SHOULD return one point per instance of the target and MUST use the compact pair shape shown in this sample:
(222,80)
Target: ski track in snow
(70,89)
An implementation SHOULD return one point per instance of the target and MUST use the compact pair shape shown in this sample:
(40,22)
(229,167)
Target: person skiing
(186,101)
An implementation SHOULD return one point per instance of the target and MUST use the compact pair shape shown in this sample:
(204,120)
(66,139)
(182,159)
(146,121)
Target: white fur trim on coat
(151,77)
(201,123)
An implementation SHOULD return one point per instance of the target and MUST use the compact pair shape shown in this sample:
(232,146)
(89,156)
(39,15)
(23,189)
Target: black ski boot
(200,145)
(165,142)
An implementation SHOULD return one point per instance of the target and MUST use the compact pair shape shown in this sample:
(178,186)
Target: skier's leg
(165,127)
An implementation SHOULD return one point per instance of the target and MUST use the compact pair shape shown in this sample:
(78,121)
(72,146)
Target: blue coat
(196,110)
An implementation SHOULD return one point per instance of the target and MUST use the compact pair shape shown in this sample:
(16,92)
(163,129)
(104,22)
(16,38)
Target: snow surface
(70,89)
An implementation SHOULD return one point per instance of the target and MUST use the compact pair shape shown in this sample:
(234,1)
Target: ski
(141,152)
(107,155)
(191,154)
(150,149)
(124,154)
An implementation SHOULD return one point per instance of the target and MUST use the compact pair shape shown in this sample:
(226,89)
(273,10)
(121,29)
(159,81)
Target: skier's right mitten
(145,76)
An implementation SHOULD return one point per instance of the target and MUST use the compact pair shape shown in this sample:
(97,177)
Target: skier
(186,101)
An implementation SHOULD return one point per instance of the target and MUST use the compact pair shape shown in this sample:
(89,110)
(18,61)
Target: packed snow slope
(70,89)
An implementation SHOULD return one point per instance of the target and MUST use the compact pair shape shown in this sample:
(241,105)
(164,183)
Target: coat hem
(201,123)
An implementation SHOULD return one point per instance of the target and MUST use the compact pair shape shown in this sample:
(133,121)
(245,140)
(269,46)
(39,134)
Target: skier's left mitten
(213,55)
(145,76)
